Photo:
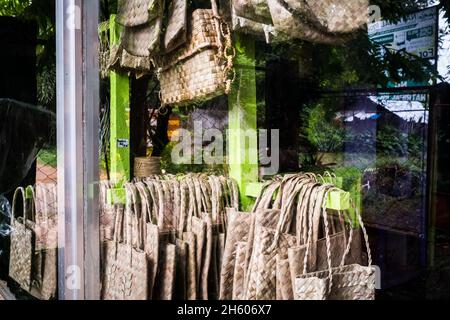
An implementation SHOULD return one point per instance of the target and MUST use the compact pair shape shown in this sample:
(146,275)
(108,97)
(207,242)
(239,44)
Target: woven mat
(5,294)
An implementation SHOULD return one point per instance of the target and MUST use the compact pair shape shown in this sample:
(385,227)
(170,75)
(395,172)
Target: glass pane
(28,165)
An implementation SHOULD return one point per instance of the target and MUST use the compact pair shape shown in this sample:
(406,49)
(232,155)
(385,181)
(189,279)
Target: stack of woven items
(291,247)
(167,242)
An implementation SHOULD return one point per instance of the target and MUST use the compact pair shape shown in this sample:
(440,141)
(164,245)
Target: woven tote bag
(255,10)
(21,248)
(165,282)
(150,233)
(202,68)
(239,225)
(297,22)
(336,15)
(44,284)
(131,13)
(126,267)
(181,270)
(346,282)
(239,272)
(176,31)
(189,238)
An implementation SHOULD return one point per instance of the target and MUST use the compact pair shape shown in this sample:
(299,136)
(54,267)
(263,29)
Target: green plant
(322,130)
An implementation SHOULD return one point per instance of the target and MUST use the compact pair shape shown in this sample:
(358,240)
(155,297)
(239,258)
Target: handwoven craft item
(346,282)
(133,13)
(126,268)
(21,248)
(202,68)
(176,30)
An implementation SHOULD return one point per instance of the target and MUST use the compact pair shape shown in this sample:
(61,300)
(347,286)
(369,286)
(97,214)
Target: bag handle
(131,205)
(304,208)
(366,239)
(297,184)
(30,189)
(323,193)
(20,191)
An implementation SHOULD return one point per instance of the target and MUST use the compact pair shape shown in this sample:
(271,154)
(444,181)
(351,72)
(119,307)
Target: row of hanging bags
(33,250)
(321,21)
(178,223)
(264,262)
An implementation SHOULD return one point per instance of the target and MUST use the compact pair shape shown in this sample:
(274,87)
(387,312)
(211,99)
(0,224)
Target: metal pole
(77,127)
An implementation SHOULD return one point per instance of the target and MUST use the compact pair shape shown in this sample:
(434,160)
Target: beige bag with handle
(22,238)
(44,282)
(126,267)
(202,68)
(346,282)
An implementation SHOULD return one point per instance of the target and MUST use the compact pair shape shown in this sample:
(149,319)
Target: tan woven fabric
(141,41)
(181,270)
(166,277)
(205,274)
(199,230)
(337,15)
(290,27)
(126,267)
(239,271)
(265,220)
(239,225)
(21,249)
(200,69)
(133,13)
(189,237)
(351,282)
(284,289)
(44,277)
(255,10)
(176,30)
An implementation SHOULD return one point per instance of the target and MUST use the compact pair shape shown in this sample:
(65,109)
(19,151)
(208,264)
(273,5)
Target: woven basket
(198,70)
(147,166)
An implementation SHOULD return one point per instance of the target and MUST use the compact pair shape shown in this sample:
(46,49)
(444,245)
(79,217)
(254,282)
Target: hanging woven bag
(202,68)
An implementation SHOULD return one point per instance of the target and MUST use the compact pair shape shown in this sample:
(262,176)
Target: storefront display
(221,150)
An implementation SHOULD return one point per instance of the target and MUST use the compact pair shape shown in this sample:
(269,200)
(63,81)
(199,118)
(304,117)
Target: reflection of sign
(123,143)
(416,33)
(419,97)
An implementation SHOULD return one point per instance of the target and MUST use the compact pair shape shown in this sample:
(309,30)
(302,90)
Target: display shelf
(337,200)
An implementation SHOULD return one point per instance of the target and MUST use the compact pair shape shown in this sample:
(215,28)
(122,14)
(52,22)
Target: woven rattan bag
(176,30)
(133,13)
(346,282)
(126,268)
(202,68)
(22,238)
(248,26)
(150,234)
(239,225)
(44,282)
(296,19)
(255,10)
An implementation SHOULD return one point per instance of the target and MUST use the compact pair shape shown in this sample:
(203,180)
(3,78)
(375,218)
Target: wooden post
(242,135)
(120,118)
